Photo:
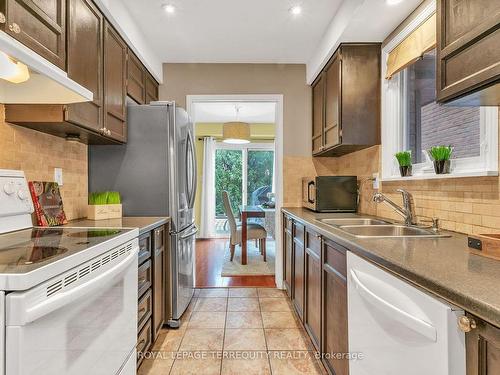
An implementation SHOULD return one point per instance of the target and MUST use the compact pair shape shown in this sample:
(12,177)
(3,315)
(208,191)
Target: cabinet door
(40,25)
(158,280)
(468,36)
(151,89)
(85,27)
(287,254)
(318,97)
(298,269)
(332,102)
(334,306)
(136,78)
(115,64)
(483,349)
(312,315)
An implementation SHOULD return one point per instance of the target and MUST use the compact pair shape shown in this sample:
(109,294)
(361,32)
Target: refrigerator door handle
(190,234)
(190,154)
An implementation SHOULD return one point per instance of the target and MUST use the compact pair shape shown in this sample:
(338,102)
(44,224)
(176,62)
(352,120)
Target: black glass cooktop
(30,248)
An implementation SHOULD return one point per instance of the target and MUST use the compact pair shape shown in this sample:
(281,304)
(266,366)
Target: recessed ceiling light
(169,8)
(295,10)
(393,2)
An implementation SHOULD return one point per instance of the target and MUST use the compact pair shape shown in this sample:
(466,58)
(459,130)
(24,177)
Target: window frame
(393,133)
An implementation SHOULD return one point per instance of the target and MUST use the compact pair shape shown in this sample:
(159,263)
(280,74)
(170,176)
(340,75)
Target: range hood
(28,78)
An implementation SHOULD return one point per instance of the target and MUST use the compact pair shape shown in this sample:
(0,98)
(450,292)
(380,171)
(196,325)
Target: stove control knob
(8,188)
(22,194)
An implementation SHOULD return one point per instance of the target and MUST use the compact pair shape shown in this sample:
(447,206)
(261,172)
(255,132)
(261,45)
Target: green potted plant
(441,156)
(404,161)
(104,205)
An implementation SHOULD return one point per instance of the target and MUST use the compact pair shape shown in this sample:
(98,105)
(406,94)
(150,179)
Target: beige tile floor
(232,331)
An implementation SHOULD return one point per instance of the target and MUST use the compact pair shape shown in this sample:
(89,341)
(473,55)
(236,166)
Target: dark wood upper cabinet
(40,25)
(482,348)
(318,105)
(136,79)
(85,33)
(468,53)
(334,334)
(151,89)
(312,313)
(115,70)
(298,269)
(346,101)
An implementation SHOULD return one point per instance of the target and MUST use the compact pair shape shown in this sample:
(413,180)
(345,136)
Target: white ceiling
(217,112)
(256,31)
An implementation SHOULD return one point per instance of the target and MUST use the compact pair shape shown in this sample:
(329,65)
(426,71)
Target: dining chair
(254,231)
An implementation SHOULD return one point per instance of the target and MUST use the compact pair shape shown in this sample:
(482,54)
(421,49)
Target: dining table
(247,212)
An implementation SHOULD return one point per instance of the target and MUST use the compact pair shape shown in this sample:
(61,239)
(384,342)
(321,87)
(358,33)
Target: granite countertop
(145,224)
(442,266)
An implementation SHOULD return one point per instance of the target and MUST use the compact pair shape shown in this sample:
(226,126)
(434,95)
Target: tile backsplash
(466,205)
(37,154)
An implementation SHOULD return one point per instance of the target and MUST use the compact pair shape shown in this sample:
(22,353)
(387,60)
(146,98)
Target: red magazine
(48,203)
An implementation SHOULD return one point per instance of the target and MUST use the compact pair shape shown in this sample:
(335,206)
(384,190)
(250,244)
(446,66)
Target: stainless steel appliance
(330,193)
(155,172)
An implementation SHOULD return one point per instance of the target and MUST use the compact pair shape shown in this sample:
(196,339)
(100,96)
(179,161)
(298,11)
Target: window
(246,172)
(412,120)
(427,124)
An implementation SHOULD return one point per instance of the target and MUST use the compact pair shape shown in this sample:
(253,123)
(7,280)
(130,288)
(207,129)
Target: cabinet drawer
(335,256)
(144,248)
(143,341)
(144,277)
(298,233)
(144,309)
(313,242)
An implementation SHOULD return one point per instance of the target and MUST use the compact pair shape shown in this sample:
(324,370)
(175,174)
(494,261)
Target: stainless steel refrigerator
(155,173)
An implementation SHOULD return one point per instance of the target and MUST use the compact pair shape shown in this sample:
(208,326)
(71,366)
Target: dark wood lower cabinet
(315,275)
(298,269)
(153,246)
(159,243)
(483,349)
(334,307)
(312,313)
(287,254)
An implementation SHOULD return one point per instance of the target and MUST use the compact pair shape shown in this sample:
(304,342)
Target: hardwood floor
(209,260)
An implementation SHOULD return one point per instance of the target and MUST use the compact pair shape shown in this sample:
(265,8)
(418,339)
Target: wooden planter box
(104,211)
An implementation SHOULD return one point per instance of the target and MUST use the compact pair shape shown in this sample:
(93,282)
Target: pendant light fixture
(236,132)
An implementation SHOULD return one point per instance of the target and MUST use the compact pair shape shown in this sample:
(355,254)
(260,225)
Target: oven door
(81,322)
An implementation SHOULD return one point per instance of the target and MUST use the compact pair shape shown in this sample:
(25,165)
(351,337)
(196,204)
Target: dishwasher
(395,328)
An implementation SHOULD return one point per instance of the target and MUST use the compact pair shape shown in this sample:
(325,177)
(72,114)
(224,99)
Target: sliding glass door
(246,172)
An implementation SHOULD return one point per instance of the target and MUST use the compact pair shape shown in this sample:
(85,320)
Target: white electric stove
(68,296)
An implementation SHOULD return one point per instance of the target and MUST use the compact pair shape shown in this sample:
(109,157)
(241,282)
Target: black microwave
(330,193)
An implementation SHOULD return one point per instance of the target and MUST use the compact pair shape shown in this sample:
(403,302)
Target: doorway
(251,173)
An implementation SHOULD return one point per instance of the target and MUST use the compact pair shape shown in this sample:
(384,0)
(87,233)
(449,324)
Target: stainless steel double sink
(365,227)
